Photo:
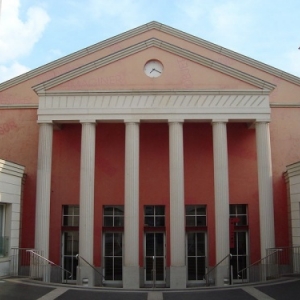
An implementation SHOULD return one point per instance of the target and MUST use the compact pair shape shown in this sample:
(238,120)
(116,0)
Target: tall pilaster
(131,271)
(221,198)
(265,187)
(43,190)
(177,211)
(86,199)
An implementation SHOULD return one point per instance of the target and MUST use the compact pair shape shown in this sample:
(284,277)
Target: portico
(133,108)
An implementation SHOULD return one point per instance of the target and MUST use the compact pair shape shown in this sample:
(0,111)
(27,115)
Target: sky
(36,32)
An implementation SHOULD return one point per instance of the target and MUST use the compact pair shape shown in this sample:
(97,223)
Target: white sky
(35,32)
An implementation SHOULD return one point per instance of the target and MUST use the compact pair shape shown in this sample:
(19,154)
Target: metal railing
(207,278)
(44,269)
(20,262)
(100,280)
(277,263)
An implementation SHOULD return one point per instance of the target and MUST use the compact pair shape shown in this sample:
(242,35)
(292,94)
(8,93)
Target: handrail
(258,261)
(78,256)
(207,281)
(50,262)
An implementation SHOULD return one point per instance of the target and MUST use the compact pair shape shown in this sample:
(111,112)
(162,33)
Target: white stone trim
(149,105)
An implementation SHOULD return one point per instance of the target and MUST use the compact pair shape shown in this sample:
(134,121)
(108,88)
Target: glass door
(113,256)
(154,258)
(196,256)
(70,248)
(239,260)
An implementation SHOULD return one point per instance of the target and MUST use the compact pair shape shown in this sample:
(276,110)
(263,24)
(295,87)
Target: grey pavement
(15,289)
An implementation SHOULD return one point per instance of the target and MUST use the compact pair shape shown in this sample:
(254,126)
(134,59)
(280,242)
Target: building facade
(152,156)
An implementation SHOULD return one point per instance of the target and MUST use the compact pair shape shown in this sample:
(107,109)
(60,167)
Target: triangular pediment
(143,32)
(183,69)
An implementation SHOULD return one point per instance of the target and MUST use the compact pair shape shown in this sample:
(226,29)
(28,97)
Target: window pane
(159,244)
(191,244)
(109,244)
(159,268)
(200,268)
(76,221)
(119,221)
(241,209)
(160,221)
(243,220)
(190,221)
(200,244)
(149,268)
(232,209)
(109,221)
(160,210)
(201,221)
(149,244)
(118,244)
(191,268)
(149,221)
(149,210)
(190,210)
(201,210)
(119,210)
(108,261)
(108,210)
(118,268)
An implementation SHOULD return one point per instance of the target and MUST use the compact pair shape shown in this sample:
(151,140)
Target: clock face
(153,68)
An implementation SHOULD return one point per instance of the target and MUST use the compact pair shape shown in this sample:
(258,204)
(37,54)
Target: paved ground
(17,289)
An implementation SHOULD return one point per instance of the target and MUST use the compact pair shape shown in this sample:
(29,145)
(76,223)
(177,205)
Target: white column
(131,270)
(265,187)
(43,191)
(86,199)
(221,198)
(177,211)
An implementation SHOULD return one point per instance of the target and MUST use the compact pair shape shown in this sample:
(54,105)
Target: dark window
(154,216)
(113,216)
(195,215)
(239,211)
(70,215)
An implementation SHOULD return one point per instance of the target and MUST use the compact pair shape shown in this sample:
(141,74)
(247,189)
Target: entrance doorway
(239,259)
(70,248)
(196,256)
(155,264)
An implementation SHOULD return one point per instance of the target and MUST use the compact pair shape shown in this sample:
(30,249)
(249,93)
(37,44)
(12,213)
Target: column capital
(175,121)
(88,121)
(126,121)
(219,121)
(45,122)
(262,121)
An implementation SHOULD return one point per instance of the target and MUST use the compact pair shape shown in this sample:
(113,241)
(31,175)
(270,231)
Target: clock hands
(154,70)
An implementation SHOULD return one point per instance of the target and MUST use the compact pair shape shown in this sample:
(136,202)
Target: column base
(222,276)
(178,277)
(131,277)
(85,276)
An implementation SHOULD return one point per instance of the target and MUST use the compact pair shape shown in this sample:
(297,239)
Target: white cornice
(154,106)
(11,168)
(18,106)
(141,29)
(40,88)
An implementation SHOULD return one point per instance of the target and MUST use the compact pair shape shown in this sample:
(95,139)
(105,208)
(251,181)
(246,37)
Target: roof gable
(212,69)
(140,30)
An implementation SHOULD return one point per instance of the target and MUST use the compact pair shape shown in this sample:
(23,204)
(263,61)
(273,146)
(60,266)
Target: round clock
(153,68)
